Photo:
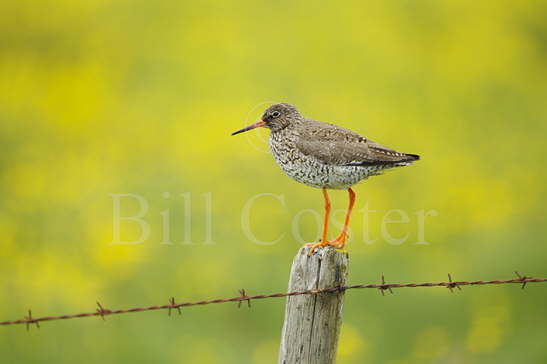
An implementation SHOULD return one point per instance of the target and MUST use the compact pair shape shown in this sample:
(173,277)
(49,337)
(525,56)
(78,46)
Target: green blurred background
(103,97)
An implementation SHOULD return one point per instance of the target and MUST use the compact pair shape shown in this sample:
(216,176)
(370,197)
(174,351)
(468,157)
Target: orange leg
(341,239)
(324,240)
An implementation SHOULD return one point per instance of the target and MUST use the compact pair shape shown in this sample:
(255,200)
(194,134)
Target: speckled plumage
(323,155)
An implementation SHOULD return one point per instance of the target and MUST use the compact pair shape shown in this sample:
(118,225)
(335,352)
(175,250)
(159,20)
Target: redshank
(325,156)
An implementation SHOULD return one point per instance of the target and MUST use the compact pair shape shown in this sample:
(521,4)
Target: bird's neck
(286,135)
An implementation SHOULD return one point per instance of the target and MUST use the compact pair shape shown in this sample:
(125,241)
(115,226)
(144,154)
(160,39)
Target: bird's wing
(333,145)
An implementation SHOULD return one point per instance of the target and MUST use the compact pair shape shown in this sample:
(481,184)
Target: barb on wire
(101,311)
(523,279)
(173,305)
(451,285)
(384,286)
(244,298)
(30,320)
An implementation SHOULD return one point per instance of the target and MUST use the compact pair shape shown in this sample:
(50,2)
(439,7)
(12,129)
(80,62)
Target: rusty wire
(383,286)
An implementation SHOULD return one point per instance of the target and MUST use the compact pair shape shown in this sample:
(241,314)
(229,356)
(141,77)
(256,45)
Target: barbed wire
(382,287)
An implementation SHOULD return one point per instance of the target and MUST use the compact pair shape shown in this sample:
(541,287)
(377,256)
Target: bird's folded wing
(333,145)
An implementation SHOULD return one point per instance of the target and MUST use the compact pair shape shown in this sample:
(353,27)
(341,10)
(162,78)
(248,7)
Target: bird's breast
(298,166)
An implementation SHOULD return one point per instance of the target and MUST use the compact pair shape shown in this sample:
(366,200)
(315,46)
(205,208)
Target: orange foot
(340,241)
(320,245)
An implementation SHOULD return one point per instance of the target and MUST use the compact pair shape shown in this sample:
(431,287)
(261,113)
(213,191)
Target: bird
(325,156)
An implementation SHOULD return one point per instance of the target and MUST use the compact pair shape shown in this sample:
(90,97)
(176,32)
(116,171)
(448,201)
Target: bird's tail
(407,160)
(411,157)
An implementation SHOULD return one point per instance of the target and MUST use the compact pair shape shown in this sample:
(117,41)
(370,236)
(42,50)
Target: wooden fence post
(312,322)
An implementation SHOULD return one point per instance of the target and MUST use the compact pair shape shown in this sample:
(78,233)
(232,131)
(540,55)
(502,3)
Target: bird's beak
(252,126)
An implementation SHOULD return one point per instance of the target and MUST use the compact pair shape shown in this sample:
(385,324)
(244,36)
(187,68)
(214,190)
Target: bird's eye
(276,114)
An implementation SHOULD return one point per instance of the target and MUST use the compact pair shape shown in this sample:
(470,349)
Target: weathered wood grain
(312,322)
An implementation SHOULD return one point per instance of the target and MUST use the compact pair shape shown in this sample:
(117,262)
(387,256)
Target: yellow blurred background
(139,97)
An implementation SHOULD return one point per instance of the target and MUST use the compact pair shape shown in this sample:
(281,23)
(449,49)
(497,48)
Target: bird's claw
(321,244)
(340,240)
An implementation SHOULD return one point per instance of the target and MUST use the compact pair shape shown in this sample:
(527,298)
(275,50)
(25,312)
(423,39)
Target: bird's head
(275,118)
